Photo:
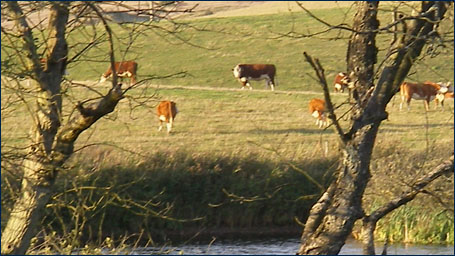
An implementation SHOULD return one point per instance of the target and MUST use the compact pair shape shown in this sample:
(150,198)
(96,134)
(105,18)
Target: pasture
(216,45)
(259,121)
(271,124)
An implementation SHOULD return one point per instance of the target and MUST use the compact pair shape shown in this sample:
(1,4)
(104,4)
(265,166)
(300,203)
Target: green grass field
(225,42)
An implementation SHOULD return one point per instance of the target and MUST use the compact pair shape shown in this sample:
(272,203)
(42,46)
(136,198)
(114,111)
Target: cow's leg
(427,104)
(439,100)
(272,84)
(162,119)
(243,82)
(169,125)
(402,101)
(321,123)
(248,84)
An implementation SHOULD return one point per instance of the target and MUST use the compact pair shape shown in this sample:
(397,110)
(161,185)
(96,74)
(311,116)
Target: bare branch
(320,74)
(370,221)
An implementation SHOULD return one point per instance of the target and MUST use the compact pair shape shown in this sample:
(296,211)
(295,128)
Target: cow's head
(237,70)
(447,85)
(444,87)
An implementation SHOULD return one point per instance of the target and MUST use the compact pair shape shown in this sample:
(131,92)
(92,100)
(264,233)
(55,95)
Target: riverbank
(284,246)
(170,197)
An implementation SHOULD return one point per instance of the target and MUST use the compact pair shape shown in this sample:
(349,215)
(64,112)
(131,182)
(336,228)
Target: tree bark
(345,205)
(362,51)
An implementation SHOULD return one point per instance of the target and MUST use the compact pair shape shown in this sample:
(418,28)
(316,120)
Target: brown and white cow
(124,69)
(425,91)
(166,112)
(317,110)
(246,72)
(341,82)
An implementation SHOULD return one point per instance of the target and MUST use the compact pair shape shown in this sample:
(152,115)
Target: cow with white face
(318,111)
(441,97)
(246,72)
(123,69)
(426,91)
(342,81)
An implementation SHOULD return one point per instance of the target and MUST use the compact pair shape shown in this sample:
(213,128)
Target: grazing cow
(342,81)
(246,72)
(123,69)
(426,91)
(166,111)
(317,110)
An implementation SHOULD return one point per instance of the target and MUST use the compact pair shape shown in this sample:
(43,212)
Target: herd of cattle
(167,110)
(426,91)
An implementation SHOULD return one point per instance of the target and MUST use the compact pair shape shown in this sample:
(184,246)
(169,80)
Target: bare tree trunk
(39,171)
(53,142)
(29,208)
(344,207)
(362,51)
(328,236)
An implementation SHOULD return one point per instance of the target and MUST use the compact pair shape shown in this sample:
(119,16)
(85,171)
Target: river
(285,246)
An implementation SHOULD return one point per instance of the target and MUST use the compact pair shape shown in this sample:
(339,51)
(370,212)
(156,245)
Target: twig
(321,76)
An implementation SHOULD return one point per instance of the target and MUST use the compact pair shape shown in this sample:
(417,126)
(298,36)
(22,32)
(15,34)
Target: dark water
(286,246)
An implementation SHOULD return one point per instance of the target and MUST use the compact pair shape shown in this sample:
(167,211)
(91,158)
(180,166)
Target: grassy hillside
(250,39)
